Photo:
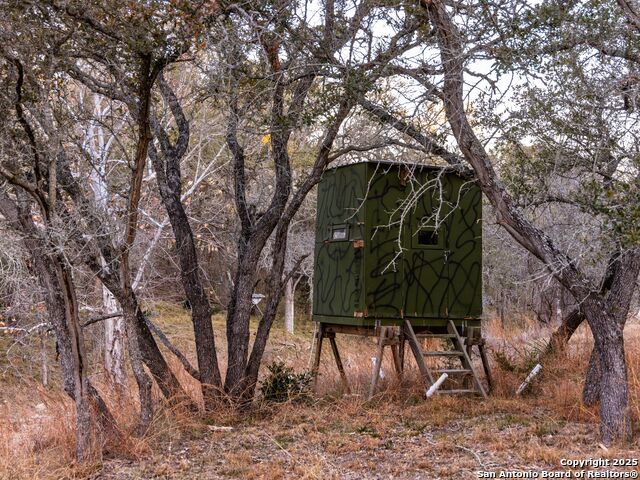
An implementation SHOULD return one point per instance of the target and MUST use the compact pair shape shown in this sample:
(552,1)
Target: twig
(472,453)
(173,349)
(91,321)
(293,271)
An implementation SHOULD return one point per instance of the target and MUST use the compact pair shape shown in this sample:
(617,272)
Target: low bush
(283,384)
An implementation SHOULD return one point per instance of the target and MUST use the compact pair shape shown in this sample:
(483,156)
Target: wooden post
(318,351)
(401,347)
(485,364)
(417,353)
(395,350)
(477,340)
(466,361)
(334,347)
(378,364)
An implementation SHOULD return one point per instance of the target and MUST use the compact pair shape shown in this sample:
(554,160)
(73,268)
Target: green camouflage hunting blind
(397,242)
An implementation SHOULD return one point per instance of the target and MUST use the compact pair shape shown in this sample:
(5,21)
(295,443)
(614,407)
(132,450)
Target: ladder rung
(453,370)
(435,335)
(454,392)
(454,353)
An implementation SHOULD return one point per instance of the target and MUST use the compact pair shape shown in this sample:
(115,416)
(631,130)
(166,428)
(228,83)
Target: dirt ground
(398,434)
(442,439)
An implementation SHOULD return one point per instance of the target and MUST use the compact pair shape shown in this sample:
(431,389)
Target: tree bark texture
(619,284)
(254,235)
(100,251)
(614,412)
(166,163)
(60,300)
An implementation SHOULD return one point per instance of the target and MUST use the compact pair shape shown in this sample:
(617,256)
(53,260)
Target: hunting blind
(398,254)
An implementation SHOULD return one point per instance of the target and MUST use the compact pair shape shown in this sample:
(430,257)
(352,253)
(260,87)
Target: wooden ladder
(460,350)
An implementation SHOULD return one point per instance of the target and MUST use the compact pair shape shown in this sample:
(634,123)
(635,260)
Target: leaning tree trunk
(607,332)
(86,442)
(200,306)
(149,351)
(575,317)
(130,311)
(100,250)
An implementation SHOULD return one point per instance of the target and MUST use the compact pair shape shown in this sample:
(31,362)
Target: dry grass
(397,434)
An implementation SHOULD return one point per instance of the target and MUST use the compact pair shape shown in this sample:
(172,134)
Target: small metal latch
(358,244)
(358,314)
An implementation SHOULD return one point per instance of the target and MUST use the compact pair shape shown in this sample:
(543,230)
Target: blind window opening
(339,233)
(427,237)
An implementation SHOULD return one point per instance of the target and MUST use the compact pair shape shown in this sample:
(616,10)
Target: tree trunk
(238,318)
(615,418)
(310,298)
(166,163)
(200,307)
(275,288)
(87,444)
(114,329)
(605,321)
(135,335)
(114,339)
(501,307)
(149,351)
(62,310)
(44,364)
(619,282)
(563,333)
(574,319)
(241,375)
(115,277)
(62,306)
(592,385)
(138,332)
(289,305)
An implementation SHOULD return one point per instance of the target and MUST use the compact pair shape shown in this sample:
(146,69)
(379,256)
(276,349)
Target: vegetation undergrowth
(37,423)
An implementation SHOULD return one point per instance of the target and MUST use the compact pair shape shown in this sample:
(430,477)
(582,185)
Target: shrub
(283,384)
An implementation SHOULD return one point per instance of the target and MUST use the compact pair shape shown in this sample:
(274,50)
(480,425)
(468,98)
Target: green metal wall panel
(437,276)
(338,265)
(465,249)
(427,276)
(383,269)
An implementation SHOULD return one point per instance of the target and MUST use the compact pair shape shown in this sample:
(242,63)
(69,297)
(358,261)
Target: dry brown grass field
(398,434)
